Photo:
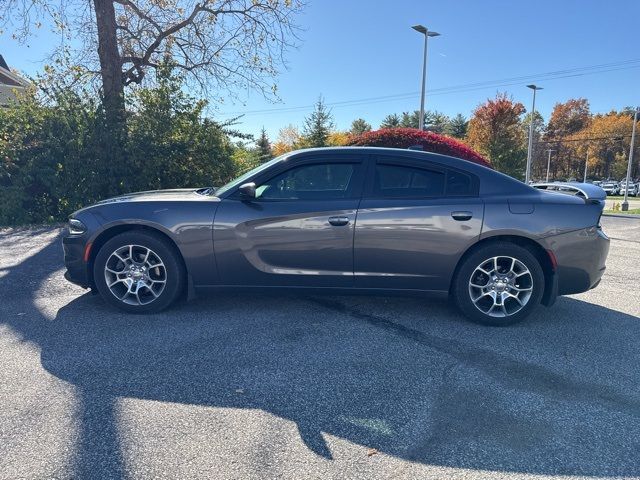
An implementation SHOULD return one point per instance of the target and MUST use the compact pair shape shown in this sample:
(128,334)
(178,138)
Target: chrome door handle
(462,216)
(338,221)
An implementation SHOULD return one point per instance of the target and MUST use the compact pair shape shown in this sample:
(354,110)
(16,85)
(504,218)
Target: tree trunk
(114,135)
(110,60)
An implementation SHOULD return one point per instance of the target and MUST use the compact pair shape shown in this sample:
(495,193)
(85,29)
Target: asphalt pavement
(239,386)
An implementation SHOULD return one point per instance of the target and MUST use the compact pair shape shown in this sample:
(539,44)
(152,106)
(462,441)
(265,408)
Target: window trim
(421,165)
(353,192)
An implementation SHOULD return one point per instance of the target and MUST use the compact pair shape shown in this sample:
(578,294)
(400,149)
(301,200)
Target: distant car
(611,188)
(359,219)
(633,189)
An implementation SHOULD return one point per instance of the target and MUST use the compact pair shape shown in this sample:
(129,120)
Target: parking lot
(245,386)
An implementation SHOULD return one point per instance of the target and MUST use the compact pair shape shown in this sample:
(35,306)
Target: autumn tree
(289,139)
(358,126)
(218,45)
(607,140)
(495,131)
(318,125)
(264,147)
(338,138)
(566,119)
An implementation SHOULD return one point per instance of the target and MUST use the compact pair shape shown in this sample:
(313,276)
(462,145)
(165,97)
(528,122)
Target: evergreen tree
(390,121)
(318,125)
(457,126)
(436,122)
(359,126)
(410,120)
(264,147)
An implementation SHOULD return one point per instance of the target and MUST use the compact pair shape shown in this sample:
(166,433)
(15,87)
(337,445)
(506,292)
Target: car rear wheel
(499,284)
(138,272)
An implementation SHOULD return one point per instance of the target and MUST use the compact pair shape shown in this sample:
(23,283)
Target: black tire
(173,273)
(462,292)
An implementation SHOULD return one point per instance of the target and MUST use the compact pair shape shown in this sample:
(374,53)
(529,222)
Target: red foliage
(408,137)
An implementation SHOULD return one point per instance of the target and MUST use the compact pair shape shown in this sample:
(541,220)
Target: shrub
(429,141)
(53,158)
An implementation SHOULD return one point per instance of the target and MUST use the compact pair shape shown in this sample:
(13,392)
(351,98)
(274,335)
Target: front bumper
(581,257)
(77,269)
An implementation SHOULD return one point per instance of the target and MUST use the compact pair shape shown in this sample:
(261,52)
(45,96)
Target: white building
(10,83)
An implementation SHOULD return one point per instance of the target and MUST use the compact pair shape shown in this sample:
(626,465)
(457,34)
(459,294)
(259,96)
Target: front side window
(324,181)
(394,181)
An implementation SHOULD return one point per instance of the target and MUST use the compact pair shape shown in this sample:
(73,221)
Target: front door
(298,231)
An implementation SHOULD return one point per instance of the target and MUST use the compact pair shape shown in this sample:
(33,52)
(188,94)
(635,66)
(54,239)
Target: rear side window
(459,184)
(396,181)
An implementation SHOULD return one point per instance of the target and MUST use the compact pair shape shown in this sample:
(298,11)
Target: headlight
(76,227)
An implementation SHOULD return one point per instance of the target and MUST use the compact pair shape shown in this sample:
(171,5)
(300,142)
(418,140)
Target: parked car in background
(632,189)
(611,188)
(356,219)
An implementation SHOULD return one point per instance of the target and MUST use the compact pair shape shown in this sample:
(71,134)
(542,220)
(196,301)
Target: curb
(622,215)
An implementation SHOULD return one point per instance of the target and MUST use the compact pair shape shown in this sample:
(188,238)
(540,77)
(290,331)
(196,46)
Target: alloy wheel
(500,286)
(135,274)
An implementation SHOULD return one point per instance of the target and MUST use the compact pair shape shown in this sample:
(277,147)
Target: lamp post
(527,174)
(549,163)
(586,165)
(625,204)
(422,29)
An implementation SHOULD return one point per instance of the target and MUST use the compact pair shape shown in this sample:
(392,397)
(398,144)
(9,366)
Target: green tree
(359,126)
(410,119)
(390,121)
(457,126)
(216,45)
(264,147)
(434,121)
(318,125)
(52,161)
(495,131)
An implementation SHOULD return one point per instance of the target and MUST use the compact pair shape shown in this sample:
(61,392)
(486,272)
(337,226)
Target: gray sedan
(361,220)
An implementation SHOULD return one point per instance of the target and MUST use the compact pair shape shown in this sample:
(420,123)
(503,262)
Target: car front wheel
(499,284)
(138,272)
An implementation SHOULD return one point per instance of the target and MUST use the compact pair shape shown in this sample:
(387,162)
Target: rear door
(298,231)
(415,221)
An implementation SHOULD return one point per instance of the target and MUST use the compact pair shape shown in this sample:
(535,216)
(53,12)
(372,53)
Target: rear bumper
(77,269)
(581,257)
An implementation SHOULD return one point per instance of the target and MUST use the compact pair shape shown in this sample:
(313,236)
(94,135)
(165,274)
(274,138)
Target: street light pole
(586,165)
(422,29)
(527,175)
(549,163)
(625,204)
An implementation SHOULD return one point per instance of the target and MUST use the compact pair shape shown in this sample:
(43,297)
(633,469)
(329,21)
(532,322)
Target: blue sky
(359,49)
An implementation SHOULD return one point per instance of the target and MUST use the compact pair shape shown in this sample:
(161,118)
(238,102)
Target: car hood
(176,194)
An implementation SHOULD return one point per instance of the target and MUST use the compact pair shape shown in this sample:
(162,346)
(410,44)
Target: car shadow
(393,374)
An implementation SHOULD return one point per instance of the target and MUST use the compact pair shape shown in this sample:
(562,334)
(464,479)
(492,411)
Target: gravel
(279,386)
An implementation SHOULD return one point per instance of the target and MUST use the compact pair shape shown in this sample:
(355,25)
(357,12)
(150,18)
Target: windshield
(243,178)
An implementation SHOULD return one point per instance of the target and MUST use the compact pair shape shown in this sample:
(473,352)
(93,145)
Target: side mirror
(247,190)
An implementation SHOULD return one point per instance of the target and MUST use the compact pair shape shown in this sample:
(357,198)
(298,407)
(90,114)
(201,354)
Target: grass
(632,211)
(620,197)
